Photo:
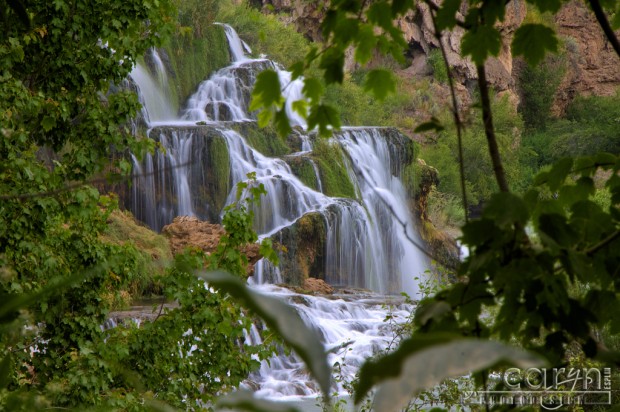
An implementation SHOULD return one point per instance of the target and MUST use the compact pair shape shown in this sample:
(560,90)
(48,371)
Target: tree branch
(489,130)
(602,20)
(455,114)
(603,243)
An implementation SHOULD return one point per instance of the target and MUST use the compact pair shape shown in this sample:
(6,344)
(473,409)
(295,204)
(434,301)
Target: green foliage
(538,86)
(479,180)
(334,177)
(481,42)
(590,126)
(243,400)
(302,167)
(435,60)
(59,124)
(532,41)
(544,288)
(424,361)
(152,251)
(380,83)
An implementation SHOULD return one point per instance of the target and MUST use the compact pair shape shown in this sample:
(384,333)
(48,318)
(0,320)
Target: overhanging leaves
(266,91)
(325,117)
(242,400)
(446,15)
(380,82)
(480,43)
(282,319)
(423,369)
(532,41)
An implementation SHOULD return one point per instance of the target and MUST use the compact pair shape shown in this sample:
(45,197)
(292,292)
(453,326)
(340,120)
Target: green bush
(435,60)
(538,87)
(479,175)
(591,125)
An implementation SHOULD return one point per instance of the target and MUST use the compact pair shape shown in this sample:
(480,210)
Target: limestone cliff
(592,62)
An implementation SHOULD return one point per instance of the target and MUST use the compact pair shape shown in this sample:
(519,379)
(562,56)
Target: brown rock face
(317,286)
(188,231)
(592,63)
(417,28)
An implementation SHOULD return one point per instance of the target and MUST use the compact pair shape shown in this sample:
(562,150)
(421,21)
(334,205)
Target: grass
(153,251)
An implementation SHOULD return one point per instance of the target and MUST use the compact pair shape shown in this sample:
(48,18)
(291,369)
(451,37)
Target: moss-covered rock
(153,251)
(304,253)
(303,168)
(334,177)
(207,171)
(194,56)
(265,140)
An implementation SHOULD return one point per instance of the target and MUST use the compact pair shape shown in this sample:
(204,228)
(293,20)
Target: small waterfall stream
(366,245)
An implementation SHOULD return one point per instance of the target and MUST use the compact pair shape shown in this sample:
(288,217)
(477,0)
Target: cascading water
(366,241)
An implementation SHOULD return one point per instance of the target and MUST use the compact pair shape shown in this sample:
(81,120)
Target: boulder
(189,231)
(318,286)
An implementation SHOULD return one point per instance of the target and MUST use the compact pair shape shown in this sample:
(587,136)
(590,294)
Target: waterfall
(353,327)
(157,104)
(368,240)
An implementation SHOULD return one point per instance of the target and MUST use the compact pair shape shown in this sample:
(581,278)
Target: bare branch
(489,130)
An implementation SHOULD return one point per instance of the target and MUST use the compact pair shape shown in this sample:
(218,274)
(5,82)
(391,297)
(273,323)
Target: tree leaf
(506,209)
(282,123)
(380,82)
(532,41)
(296,69)
(325,117)
(401,6)
(266,91)
(555,177)
(48,123)
(380,13)
(313,89)
(20,10)
(429,367)
(332,63)
(243,400)
(480,43)
(446,15)
(366,42)
(389,366)
(282,319)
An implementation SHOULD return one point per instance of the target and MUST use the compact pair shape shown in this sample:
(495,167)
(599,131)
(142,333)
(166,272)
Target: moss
(304,255)
(195,56)
(334,176)
(220,163)
(303,169)
(265,34)
(266,140)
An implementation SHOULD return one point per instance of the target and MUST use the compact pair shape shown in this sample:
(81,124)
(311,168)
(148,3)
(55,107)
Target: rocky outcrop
(188,231)
(429,178)
(592,63)
(304,254)
(417,28)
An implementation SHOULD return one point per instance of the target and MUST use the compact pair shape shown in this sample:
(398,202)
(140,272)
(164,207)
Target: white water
(366,244)
(353,327)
